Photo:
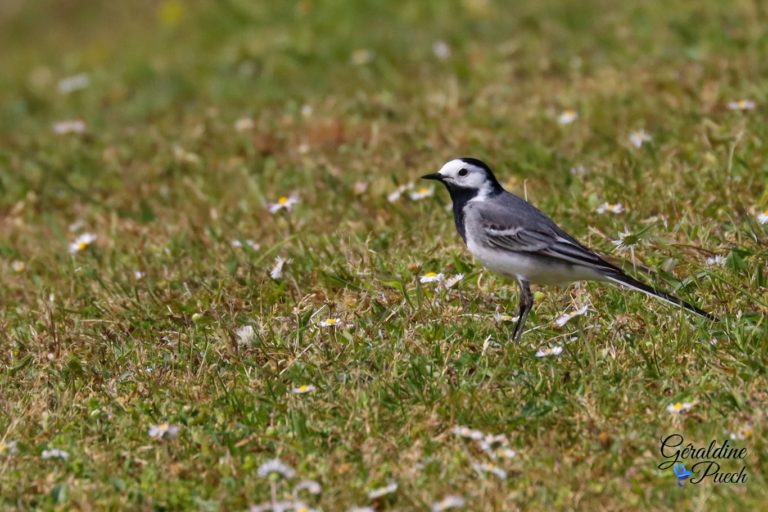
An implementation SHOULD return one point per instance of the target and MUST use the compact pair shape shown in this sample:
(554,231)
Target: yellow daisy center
(82,246)
(331,321)
(677,406)
(430,274)
(303,388)
(171,12)
(423,190)
(282,200)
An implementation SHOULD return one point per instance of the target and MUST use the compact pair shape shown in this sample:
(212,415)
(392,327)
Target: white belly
(533,270)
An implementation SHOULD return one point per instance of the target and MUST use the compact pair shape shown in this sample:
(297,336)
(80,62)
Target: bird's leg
(526,304)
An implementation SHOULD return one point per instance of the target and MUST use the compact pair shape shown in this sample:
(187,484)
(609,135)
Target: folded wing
(543,241)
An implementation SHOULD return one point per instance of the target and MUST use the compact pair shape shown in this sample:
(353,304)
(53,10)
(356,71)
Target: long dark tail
(623,279)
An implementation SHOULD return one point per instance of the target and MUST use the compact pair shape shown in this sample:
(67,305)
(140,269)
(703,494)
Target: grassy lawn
(169,131)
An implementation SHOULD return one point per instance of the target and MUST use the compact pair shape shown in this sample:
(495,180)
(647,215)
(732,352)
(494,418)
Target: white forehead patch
(474,178)
(452,167)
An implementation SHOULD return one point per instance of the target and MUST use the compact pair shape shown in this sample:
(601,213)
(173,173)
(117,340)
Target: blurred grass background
(349,99)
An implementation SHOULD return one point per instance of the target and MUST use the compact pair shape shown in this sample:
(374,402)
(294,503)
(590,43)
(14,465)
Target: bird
(511,237)
(681,473)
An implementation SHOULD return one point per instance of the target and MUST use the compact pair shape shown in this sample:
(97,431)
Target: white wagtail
(513,238)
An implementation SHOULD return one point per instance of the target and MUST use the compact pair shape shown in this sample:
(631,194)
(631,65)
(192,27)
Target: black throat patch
(460,198)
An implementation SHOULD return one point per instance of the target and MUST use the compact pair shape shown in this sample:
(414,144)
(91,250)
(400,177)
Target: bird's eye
(463,172)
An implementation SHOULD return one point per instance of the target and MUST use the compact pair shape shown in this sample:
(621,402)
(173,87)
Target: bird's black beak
(434,176)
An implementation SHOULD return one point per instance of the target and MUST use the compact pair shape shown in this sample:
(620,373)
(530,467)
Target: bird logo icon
(681,473)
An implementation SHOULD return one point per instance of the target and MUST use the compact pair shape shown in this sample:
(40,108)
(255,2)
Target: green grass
(93,355)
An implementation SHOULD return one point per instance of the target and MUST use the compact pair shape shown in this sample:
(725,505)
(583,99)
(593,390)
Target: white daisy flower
(762,217)
(441,50)
(250,243)
(742,433)
(495,440)
(609,207)
(398,192)
(467,433)
(277,269)
(18,266)
(452,281)
(496,446)
(506,453)
(282,506)
(274,506)
(639,137)
(76,226)
(330,322)
(579,170)
(138,275)
(431,277)
(309,486)
(8,448)
(717,260)
(625,240)
(185,157)
(284,203)
(567,117)
(303,389)
(448,503)
(306,110)
(244,124)
(490,468)
(394,196)
(679,407)
(245,335)
(163,431)
(422,193)
(503,317)
(361,509)
(276,466)
(361,57)
(74,83)
(566,317)
(69,126)
(55,453)
(550,351)
(382,491)
(82,243)
(741,105)
(360,188)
